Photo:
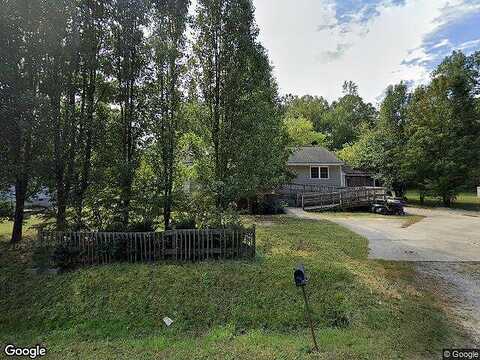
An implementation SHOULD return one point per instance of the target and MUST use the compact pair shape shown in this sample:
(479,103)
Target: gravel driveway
(444,248)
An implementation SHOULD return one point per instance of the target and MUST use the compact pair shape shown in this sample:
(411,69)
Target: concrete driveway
(444,248)
(443,235)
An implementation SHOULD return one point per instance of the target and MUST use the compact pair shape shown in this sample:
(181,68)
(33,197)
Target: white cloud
(313,55)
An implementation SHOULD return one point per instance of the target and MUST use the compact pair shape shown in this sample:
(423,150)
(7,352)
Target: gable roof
(307,155)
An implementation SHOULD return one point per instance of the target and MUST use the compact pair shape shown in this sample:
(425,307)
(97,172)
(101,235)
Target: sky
(315,45)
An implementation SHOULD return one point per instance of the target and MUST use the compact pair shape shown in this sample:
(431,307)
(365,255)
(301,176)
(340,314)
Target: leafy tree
(241,97)
(301,132)
(312,108)
(168,45)
(22,106)
(128,20)
(347,117)
(444,131)
(393,119)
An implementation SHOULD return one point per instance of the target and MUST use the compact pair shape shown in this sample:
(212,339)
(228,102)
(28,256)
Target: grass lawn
(465,201)
(362,309)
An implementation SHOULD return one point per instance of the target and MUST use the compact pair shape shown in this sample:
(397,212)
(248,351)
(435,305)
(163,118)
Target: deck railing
(342,198)
(304,188)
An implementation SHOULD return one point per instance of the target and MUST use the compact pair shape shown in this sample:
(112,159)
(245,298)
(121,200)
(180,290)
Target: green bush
(6,210)
(42,256)
(66,258)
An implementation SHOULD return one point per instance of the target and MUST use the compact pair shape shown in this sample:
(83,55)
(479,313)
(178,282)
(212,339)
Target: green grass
(362,309)
(464,200)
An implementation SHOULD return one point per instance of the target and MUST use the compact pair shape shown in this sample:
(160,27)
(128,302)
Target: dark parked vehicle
(392,206)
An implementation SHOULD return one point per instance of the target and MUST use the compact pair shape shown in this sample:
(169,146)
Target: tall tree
(312,108)
(85,83)
(168,43)
(20,100)
(128,19)
(238,89)
(347,118)
(393,120)
(444,131)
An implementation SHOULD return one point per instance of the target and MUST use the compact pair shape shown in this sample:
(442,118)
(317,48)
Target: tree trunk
(20,195)
(59,169)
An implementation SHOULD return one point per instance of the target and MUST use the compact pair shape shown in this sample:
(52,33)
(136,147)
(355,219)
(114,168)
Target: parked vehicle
(392,206)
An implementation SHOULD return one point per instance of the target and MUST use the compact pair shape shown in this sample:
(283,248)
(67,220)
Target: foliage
(65,257)
(240,94)
(381,150)
(42,257)
(6,210)
(300,132)
(311,108)
(444,130)
(347,117)
(268,205)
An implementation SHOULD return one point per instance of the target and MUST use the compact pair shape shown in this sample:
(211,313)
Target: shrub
(184,222)
(66,258)
(6,210)
(142,226)
(42,256)
(269,205)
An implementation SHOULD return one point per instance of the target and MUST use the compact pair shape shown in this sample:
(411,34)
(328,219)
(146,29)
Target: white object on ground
(167,321)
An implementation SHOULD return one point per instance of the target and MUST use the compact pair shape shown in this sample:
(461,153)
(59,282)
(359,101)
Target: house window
(324,173)
(319,172)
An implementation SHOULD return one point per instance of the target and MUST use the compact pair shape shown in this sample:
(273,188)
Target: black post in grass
(301,281)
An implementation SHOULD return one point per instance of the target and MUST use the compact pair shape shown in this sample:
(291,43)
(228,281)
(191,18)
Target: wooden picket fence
(95,248)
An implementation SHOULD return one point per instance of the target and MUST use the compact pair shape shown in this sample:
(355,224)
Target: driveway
(443,235)
(444,248)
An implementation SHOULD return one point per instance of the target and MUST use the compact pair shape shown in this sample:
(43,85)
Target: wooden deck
(347,198)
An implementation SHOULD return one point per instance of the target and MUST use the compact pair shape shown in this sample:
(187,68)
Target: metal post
(310,322)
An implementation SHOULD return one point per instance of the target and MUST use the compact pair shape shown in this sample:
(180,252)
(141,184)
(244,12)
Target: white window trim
(319,172)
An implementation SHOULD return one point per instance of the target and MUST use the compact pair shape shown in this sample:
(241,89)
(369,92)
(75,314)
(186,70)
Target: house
(315,165)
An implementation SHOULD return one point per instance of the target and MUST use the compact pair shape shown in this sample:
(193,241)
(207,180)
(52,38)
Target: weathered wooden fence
(177,245)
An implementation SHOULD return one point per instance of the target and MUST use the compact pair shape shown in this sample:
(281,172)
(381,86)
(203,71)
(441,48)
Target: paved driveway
(445,249)
(443,235)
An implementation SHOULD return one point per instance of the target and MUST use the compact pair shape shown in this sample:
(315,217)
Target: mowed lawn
(464,200)
(362,309)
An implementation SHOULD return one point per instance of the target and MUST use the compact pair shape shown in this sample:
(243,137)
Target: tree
(128,48)
(393,119)
(301,132)
(240,95)
(21,103)
(444,130)
(312,108)
(347,117)
(168,44)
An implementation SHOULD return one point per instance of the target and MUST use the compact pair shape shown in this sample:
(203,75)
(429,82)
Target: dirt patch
(457,286)
(411,220)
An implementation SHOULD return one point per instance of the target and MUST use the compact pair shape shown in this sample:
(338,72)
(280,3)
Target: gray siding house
(315,165)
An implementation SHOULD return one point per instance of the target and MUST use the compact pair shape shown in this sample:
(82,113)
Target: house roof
(307,155)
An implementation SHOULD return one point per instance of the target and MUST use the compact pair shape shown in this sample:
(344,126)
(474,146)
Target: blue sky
(315,45)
